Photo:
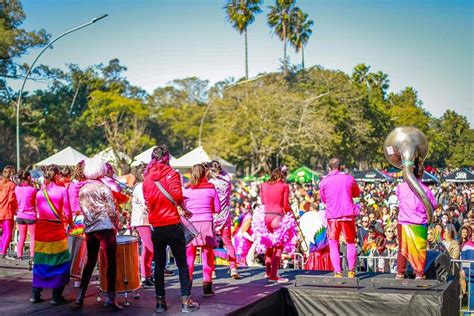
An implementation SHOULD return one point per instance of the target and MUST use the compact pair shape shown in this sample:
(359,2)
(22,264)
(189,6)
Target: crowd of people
(368,220)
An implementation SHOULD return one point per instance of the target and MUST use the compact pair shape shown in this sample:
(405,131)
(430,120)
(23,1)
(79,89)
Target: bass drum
(313,228)
(128,277)
(78,250)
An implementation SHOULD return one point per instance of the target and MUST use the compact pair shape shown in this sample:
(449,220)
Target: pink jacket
(202,202)
(26,197)
(337,190)
(73,192)
(60,199)
(410,208)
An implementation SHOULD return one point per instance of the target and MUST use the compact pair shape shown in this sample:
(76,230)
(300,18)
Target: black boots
(111,302)
(187,305)
(36,295)
(207,289)
(80,296)
(161,304)
(58,297)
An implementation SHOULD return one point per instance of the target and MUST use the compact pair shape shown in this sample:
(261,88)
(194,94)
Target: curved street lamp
(18,104)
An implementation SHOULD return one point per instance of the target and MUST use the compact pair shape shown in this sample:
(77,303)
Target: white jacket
(139,215)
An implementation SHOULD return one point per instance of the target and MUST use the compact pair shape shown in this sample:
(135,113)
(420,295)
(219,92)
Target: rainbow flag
(52,259)
(413,245)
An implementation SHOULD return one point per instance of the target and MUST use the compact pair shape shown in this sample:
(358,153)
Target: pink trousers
(229,247)
(22,229)
(207,261)
(146,257)
(7,225)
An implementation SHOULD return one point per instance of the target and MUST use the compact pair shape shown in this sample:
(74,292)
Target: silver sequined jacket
(98,208)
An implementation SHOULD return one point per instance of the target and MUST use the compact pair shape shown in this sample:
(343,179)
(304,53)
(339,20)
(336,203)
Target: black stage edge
(318,293)
(310,293)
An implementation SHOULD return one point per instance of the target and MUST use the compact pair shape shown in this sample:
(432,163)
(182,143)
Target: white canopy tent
(108,155)
(145,157)
(66,157)
(199,155)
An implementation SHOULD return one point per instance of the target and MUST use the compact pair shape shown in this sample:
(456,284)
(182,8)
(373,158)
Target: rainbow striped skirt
(52,259)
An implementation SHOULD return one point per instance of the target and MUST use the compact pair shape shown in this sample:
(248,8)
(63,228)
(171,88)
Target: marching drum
(78,250)
(128,278)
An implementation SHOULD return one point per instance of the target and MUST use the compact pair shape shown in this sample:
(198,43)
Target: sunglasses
(389,231)
(365,221)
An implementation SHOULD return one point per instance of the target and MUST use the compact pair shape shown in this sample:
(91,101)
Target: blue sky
(424,44)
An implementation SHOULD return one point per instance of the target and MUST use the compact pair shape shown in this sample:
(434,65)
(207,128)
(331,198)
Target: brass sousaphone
(406,148)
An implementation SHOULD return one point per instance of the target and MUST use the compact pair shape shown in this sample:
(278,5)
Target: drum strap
(168,196)
(165,193)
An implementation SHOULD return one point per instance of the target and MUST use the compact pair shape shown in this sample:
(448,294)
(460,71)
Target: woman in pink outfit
(274,195)
(202,200)
(26,214)
(8,206)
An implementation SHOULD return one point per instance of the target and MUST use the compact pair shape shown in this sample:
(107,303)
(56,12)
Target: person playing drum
(100,221)
(164,217)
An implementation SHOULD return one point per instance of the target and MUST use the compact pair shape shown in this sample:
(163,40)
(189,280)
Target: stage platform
(310,293)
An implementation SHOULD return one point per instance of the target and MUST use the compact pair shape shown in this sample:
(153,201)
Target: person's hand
(187,214)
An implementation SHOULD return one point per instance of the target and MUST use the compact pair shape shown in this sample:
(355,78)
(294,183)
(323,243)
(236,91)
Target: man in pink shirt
(337,190)
(412,228)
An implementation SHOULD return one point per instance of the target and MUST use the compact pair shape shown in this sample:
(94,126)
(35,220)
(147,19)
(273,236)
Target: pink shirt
(60,199)
(337,190)
(274,197)
(26,197)
(202,202)
(410,208)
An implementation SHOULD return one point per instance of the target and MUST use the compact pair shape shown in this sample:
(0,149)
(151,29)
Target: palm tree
(279,19)
(301,31)
(241,13)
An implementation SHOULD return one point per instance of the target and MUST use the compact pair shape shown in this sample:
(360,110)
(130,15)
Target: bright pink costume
(274,226)
(241,240)
(203,201)
(337,190)
(222,221)
(8,206)
(26,216)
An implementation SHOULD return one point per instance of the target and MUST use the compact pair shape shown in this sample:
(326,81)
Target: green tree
(406,110)
(122,120)
(15,42)
(301,32)
(241,13)
(280,20)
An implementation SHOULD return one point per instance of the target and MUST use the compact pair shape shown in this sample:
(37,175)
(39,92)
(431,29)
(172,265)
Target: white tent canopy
(66,157)
(199,155)
(108,155)
(145,157)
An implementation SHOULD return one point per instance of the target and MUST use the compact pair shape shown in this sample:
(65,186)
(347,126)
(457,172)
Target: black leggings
(108,239)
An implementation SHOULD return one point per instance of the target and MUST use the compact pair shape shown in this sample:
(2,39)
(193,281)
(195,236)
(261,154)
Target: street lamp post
(214,98)
(18,104)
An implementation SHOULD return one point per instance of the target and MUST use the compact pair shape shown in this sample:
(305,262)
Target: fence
(465,268)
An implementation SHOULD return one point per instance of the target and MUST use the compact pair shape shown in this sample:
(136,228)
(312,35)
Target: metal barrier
(465,268)
(377,264)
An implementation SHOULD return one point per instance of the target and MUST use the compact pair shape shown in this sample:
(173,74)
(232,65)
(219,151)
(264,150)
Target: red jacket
(161,212)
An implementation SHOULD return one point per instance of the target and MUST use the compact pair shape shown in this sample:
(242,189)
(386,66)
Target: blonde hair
(94,168)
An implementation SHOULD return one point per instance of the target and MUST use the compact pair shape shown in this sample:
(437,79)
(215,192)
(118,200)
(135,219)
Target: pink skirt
(206,235)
